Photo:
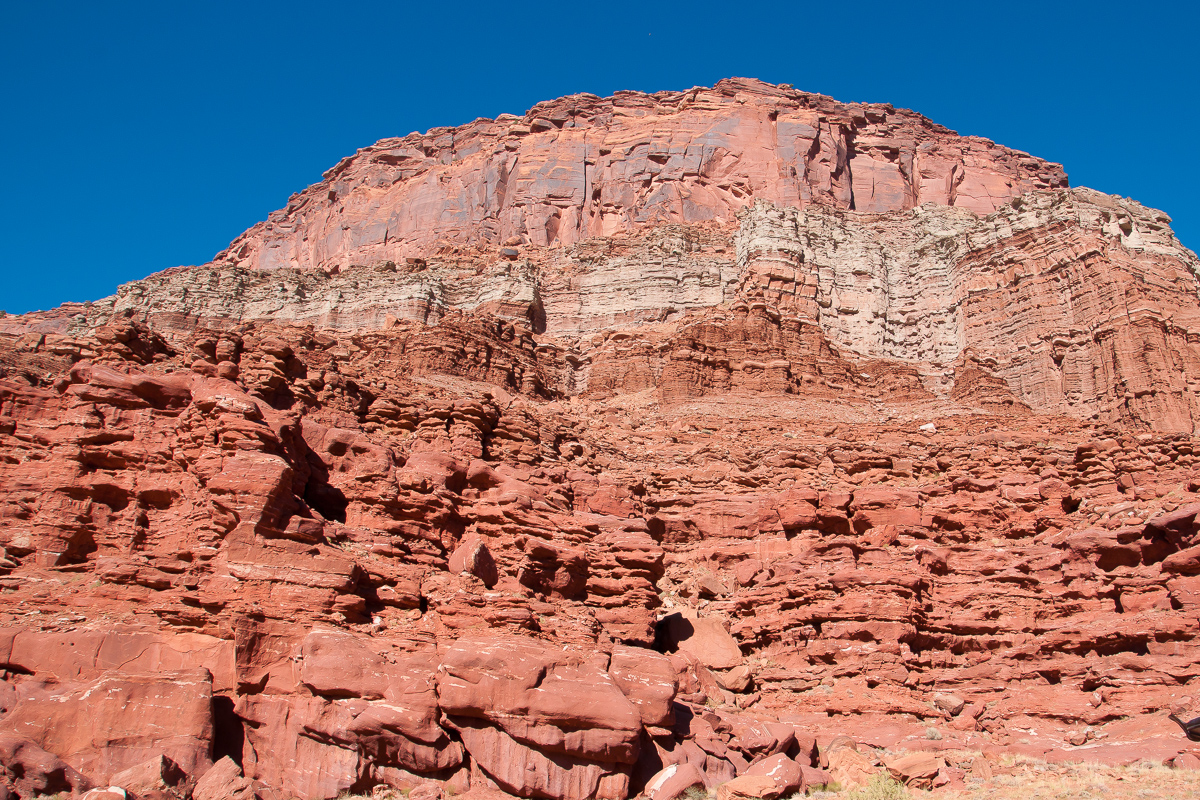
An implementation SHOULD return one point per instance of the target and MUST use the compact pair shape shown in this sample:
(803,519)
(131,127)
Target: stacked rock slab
(1067,302)
(639,444)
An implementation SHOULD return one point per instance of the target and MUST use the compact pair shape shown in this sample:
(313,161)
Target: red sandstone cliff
(585,166)
(664,440)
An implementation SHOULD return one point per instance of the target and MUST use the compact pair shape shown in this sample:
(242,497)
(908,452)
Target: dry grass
(882,788)
(1030,779)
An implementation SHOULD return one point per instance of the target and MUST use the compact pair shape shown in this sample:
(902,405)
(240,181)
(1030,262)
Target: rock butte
(717,438)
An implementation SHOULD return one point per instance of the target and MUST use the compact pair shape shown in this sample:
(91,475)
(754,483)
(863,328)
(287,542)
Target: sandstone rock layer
(585,166)
(713,439)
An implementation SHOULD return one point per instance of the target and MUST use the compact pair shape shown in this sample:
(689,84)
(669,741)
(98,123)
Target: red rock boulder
(27,770)
(119,721)
(540,721)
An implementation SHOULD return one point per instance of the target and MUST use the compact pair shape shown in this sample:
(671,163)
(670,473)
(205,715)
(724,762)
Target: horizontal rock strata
(334,566)
(584,166)
(703,440)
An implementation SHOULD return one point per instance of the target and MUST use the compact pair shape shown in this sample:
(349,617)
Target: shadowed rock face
(732,460)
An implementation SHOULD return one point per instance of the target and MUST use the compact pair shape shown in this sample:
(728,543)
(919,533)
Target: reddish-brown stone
(582,166)
(30,771)
(455,476)
(783,772)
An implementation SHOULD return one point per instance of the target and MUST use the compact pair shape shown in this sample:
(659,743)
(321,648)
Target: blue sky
(141,136)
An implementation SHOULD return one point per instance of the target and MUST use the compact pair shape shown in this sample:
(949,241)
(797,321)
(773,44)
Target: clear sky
(140,136)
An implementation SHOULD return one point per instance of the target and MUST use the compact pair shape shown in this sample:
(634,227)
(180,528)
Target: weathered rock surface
(796,421)
(118,721)
(159,778)
(584,166)
(30,771)
(673,781)
(1067,302)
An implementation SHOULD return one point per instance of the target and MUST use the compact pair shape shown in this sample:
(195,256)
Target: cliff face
(584,166)
(790,420)
(1083,304)
(1078,303)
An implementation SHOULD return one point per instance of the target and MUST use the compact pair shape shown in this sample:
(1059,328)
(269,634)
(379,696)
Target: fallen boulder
(27,770)
(916,770)
(156,779)
(847,765)
(747,787)
(783,771)
(673,781)
(704,637)
(223,781)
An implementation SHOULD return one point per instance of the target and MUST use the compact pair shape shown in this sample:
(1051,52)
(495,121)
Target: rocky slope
(791,421)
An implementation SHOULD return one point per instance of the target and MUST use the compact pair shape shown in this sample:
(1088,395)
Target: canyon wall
(1078,302)
(734,438)
(584,166)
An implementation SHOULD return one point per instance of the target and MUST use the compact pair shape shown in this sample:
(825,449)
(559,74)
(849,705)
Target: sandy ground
(1030,779)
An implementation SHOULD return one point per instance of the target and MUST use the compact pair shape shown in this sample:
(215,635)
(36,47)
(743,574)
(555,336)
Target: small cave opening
(115,497)
(328,500)
(670,631)
(537,316)
(229,735)
(79,546)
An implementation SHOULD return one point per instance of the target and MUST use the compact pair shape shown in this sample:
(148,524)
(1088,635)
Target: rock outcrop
(803,430)
(584,166)
(1067,302)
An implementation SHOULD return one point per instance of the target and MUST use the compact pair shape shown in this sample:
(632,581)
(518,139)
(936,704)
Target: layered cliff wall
(585,166)
(1082,303)
(637,444)
(1077,302)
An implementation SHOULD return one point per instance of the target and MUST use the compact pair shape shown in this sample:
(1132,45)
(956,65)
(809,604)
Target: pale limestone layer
(672,271)
(596,285)
(1083,303)
(913,285)
(360,298)
(1080,302)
